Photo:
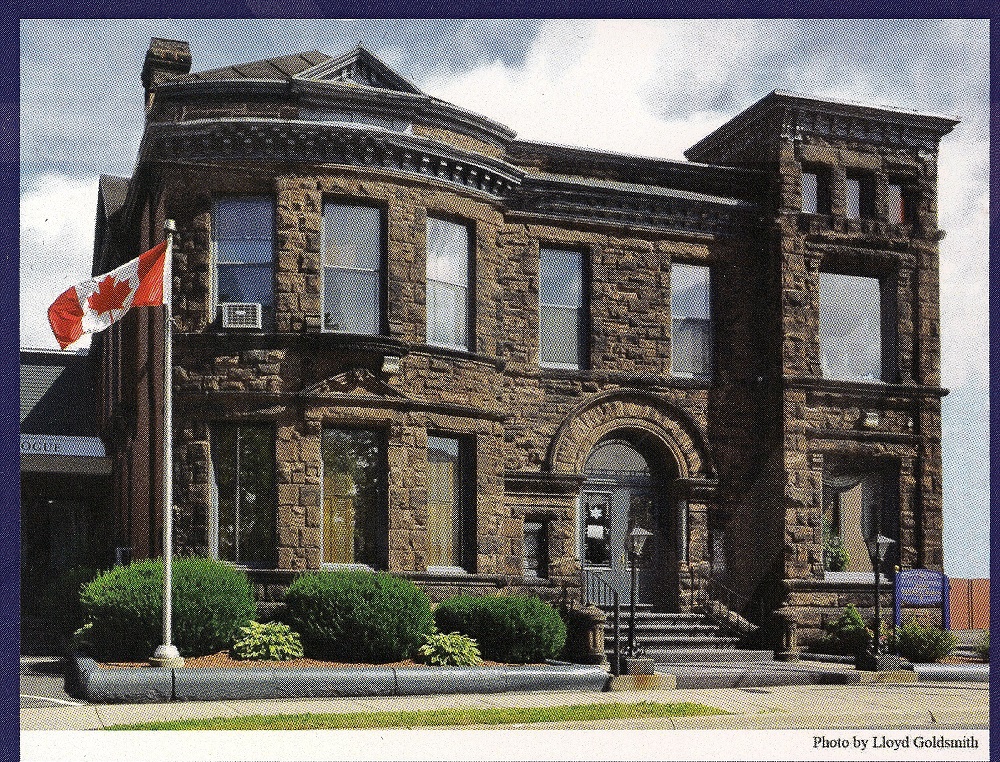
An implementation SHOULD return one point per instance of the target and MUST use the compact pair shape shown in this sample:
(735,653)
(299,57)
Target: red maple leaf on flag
(110,295)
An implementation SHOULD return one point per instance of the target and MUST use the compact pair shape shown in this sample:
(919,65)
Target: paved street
(42,683)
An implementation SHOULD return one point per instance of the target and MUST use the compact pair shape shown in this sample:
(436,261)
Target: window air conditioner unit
(240,315)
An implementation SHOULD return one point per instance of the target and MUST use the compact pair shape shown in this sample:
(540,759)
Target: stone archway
(672,445)
(646,414)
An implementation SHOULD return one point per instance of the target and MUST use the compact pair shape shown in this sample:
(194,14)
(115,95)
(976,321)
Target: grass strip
(434,717)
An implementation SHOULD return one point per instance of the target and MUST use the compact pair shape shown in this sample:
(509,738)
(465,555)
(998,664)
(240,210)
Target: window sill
(447,571)
(347,567)
(855,578)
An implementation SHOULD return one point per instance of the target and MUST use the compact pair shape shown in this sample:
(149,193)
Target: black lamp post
(637,539)
(877,547)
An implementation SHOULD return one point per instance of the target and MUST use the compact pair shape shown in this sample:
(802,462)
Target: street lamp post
(877,547)
(637,539)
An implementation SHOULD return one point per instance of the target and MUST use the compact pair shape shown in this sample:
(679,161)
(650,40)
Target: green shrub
(983,646)
(848,635)
(508,628)
(358,616)
(451,650)
(124,608)
(271,641)
(837,556)
(920,644)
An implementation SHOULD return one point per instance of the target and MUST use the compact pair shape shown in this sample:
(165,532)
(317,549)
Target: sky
(652,88)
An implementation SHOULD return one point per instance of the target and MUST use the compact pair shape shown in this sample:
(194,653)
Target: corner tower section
(854,374)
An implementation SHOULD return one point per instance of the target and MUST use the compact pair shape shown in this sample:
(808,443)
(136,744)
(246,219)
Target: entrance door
(620,494)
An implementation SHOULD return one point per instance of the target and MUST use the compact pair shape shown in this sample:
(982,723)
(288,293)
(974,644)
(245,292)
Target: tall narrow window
(560,296)
(859,197)
(897,207)
(690,320)
(354,480)
(450,525)
(243,238)
(850,327)
(810,192)
(448,256)
(352,268)
(243,530)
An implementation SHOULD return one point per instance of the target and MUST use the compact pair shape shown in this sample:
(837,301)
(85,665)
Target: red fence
(970,604)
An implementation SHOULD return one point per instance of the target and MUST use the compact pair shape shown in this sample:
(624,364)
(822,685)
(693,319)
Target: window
(858,503)
(243,235)
(352,268)
(243,529)
(859,197)
(897,204)
(536,549)
(815,191)
(850,327)
(448,315)
(690,320)
(450,516)
(354,488)
(560,296)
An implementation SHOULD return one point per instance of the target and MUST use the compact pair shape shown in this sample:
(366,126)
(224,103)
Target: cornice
(249,140)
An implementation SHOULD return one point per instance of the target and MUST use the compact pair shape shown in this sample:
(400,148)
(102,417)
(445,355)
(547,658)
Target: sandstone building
(405,339)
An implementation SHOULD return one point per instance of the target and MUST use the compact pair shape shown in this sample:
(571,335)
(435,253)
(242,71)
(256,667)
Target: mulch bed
(223,659)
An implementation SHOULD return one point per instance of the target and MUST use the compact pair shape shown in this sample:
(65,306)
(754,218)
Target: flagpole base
(166,656)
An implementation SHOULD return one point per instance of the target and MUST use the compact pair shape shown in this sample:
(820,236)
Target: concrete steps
(680,638)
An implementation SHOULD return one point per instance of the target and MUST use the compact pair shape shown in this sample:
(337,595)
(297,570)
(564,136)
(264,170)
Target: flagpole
(166,654)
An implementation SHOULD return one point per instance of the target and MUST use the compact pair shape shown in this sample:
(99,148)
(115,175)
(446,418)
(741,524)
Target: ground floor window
(858,503)
(243,530)
(450,512)
(354,489)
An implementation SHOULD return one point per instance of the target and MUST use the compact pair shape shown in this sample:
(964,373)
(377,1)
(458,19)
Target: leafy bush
(508,628)
(983,646)
(451,650)
(919,643)
(837,556)
(271,641)
(123,608)
(848,635)
(358,616)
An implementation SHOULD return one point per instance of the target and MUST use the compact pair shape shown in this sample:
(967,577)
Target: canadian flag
(95,304)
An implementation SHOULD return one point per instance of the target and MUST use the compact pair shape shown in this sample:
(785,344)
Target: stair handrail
(598,576)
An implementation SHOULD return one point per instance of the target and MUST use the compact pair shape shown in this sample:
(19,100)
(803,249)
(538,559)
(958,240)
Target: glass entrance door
(619,495)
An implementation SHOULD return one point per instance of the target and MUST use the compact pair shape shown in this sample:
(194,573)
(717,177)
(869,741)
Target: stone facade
(744,450)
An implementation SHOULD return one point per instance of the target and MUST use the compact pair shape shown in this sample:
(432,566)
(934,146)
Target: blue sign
(922,587)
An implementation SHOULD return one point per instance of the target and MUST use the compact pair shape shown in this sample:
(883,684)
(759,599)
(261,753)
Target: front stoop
(886,677)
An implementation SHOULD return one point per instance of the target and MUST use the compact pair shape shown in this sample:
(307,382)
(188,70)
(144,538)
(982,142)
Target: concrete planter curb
(87,680)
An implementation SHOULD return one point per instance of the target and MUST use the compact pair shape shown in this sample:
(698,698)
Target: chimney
(165,60)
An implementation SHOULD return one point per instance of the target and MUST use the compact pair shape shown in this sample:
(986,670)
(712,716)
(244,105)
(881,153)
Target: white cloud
(57,244)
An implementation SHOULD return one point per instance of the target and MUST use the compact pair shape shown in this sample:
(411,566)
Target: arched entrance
(628,484)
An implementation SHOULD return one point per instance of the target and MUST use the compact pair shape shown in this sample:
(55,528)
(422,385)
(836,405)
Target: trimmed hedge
(508,628)
(358,616)
(922,644)
(123,609)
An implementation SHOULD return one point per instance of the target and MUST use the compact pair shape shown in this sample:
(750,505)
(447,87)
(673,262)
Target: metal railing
(598,591)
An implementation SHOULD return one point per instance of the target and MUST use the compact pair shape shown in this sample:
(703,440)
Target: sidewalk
(933,706)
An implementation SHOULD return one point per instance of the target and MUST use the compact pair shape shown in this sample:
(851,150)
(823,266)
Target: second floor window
(560,297)
(448,257)
(859,197)
(352,268)
(690,321)
(243,240)
(850,327)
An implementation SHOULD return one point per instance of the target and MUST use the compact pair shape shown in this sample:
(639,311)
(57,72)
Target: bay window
(352,268)
(354,495)
(450,511)
(448,266)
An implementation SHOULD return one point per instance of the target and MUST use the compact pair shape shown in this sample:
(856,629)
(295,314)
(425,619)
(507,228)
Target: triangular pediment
(359,67)
(358,382)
